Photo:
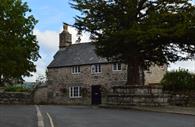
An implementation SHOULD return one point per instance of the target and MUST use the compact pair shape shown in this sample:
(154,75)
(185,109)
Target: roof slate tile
(76,54)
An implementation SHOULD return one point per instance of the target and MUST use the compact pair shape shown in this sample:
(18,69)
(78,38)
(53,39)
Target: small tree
(179,81)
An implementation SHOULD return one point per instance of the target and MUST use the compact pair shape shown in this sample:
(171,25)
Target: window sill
(75,73)
(116,70)
(75,97)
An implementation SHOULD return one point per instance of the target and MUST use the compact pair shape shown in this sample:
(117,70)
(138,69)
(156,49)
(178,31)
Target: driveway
(83,116)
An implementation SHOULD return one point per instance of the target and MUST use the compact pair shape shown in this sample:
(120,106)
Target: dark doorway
(96,95)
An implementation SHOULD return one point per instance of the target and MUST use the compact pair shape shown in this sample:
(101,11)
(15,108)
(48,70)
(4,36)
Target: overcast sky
(51,15)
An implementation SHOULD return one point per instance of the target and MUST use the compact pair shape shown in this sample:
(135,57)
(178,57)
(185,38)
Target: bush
(16,88)
(178,81)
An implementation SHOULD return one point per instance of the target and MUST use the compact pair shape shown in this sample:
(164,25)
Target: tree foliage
(139,33)
(18,45)
(178,81)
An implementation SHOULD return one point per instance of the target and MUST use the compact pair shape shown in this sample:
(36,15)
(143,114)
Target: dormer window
(116,67)
(75,69)
(96,68)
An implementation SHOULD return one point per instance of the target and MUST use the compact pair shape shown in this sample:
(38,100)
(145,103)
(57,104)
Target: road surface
(83,116)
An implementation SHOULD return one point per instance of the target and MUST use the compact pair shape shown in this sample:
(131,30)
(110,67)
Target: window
(75,92)
(116,67)
(75,69)
(161,67)
(96,68)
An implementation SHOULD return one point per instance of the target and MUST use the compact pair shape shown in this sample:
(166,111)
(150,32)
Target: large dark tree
(139,33)
(18,45)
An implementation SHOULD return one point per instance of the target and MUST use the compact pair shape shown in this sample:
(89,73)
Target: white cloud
(41,66)
(50,39)
(47,39)
(190,65)
(84,37)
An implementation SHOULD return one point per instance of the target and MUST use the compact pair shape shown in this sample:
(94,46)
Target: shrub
(178,81)
(16,88)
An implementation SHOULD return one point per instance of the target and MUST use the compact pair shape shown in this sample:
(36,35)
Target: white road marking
(50,120)
(40,121)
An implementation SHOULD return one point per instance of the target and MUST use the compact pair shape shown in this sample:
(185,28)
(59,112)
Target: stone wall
(60,79)
(15,98)
(107,76)
(40,95)
(137,95)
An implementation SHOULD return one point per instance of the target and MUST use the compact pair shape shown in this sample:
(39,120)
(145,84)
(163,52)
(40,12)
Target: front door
(96,95)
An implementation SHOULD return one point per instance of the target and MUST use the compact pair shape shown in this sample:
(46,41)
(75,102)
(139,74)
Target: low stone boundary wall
(40,95)
(138,90)
(137,95)
(141,100)
(15,98)
(37,96)
(182,99)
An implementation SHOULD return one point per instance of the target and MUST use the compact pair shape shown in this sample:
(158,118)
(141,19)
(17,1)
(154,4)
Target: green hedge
(16,88)
(178,81)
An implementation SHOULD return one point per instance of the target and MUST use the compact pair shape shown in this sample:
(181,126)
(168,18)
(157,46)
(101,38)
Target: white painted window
(96,68)
(75,69)
(75,92)
(116,67)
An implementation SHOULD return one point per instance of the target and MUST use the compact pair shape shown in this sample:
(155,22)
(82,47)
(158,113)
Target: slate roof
(76,54)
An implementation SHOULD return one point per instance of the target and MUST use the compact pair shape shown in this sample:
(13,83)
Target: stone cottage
(77,75)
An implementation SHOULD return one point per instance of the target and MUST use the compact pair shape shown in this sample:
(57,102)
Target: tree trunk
(142,75)
(1,80)
(135,73)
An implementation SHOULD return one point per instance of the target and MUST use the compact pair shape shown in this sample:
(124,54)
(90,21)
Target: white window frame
(117,67)
(73,93)
(76,69)
(96,68)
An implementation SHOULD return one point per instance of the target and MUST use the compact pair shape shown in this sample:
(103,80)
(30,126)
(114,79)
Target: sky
(51,14)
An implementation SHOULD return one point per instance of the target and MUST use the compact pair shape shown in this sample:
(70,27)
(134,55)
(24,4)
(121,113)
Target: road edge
(144,109)
(40,121)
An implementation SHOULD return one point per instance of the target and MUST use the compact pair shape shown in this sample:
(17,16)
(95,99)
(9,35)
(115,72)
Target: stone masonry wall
(147,95)
(60,79)
(15,98)
(40,95)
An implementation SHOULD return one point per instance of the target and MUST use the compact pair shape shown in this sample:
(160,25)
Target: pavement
(169,109)
(161,109)
(87,116)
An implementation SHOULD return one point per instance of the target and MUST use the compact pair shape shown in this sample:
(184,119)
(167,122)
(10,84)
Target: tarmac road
(18,116)
(85,116)
(80,116)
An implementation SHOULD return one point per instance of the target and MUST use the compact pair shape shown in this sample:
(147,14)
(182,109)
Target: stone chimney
(65,37)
